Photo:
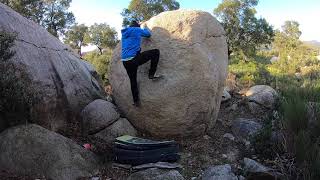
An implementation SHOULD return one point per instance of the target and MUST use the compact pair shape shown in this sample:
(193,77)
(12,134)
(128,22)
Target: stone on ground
(245,128)
(193,58)
(98,115)
(156,174)
(33,150)
(225,96)
(261,97)
(59,79)
(221,172)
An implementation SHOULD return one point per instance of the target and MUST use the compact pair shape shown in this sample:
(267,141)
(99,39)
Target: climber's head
(134,24)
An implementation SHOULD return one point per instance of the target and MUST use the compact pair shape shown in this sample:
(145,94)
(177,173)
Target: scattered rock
(225,96)
(222,172)
(245,128)
(59,80)
(194,60)
(229,136)
(261,97)
(231,155)
(119,128)
(274,59)
(160,165)
(156,174)
(241,178)
(251,166)
(33,150)
(98,115)
(255,170)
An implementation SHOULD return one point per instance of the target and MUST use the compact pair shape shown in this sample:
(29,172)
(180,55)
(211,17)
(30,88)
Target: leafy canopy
(51,14)
(142,10)
(103,36)
(75,37)
(245,33)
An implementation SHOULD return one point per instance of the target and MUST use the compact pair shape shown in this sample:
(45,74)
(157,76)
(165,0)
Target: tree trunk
(100,50)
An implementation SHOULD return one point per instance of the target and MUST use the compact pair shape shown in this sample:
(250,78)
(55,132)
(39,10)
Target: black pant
(132,68)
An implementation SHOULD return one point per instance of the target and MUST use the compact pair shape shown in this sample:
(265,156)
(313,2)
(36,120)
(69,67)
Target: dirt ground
(196,153)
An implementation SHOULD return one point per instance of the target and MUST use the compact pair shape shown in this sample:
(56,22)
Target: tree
(287,40)
(75,37)
(51,14)
(31,9)
(142,10)
(103,36)
(245,33)
(56,17)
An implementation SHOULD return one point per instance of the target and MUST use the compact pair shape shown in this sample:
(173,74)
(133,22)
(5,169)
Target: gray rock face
(261,97)
(119,128)
(245,128)
(193,58)
(62,83)
(33,150)
(222,172)
(98,115)
(156,174)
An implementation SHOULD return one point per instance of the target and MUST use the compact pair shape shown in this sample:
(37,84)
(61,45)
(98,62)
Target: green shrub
(302,135)
(101,63)
(15,92)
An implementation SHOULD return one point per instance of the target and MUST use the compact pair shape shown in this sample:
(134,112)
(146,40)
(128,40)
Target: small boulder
(98,115)
(255,170)
(222,172)
(156,174)
(261,97)
(245,128)
(119,128)
(33,150)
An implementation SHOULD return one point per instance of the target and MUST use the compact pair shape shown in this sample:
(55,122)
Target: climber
(132,57)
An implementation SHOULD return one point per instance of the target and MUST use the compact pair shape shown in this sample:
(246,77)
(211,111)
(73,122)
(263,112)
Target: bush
(302,129)
(101,63)
(16,99)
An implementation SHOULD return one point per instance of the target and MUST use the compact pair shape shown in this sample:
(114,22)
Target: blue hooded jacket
(131,41)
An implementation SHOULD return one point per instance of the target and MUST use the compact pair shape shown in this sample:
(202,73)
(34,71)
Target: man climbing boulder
(194,60)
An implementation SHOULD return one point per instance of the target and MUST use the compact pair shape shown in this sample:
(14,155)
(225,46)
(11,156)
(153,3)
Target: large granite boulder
(60,80)
(193,59)
(33,150)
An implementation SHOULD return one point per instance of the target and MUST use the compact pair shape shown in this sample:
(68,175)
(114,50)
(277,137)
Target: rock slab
(33,150)
(193,58)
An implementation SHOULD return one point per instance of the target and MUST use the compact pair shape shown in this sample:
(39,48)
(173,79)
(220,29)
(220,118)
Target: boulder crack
(41,47)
